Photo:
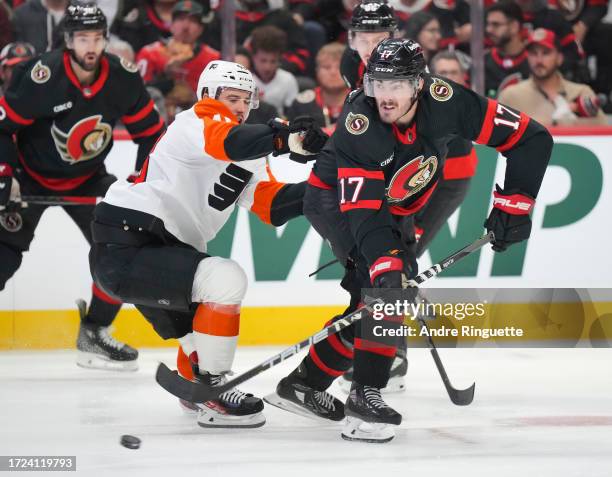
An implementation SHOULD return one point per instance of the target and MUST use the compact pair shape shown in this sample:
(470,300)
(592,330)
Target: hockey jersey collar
(508,62)
(87,91)
(212,108)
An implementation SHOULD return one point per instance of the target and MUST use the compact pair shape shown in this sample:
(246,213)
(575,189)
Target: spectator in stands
(174,66)
(454,18)
(265,111)
(304,13)
(144,22)
(539,14)
(323,103)
(546,96)
(6,29)
(251,14)
(424,27)
(596,37)
(506,62)
(335,16)
(448,64)
(37,21)
(10,56)
(277,86)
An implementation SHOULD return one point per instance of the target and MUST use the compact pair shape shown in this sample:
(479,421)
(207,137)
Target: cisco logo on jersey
(411,179)
(85,140)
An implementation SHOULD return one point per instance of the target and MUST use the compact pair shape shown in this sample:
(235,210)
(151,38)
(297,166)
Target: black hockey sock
(327,359)
(102,312)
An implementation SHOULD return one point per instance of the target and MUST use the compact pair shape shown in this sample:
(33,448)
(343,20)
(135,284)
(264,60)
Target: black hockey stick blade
(174,384)
(459,397)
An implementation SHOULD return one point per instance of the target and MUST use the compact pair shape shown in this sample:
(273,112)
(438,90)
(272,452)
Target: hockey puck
(131,442)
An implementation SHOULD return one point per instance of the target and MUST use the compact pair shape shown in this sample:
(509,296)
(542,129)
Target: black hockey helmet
(373,16)
(16,52)
(396,58)
(83,15)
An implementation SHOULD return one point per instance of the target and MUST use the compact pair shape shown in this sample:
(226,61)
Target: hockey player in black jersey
(371,22)
(56,129)
(379,169)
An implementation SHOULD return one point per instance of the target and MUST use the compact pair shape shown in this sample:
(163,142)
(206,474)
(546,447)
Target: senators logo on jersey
(411,178)
(85,140)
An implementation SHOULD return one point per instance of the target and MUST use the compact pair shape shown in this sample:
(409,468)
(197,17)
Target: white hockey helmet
(225,74)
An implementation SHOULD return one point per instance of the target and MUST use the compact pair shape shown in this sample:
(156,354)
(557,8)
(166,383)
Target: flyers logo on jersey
(356,123)
(440,90)
(411,179)
(85,140)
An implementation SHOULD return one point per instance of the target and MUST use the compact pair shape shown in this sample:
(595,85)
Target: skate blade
(395,385)
(212,419)
(360,431)
(286,405)
(95,361)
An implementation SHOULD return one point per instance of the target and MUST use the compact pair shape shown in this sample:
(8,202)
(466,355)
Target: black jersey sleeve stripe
(138,116)
(12,114)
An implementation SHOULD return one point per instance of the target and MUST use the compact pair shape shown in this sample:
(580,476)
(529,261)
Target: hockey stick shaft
(194,392)
(59,200)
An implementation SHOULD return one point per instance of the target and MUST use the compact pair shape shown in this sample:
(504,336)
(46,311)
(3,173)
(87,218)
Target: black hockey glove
(302,139)
(8,190)
(393,270)
(509,220)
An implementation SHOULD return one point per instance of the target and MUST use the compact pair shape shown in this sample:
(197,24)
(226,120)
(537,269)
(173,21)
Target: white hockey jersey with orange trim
(191,180)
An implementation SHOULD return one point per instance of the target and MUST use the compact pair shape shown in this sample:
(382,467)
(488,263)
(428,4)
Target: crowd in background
(550,58)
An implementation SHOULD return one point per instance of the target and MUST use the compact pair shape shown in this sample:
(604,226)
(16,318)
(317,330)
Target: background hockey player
(151,236)
(379,169)
(62,107)
(11,55)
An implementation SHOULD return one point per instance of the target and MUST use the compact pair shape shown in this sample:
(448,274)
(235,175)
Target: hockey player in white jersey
(151,236)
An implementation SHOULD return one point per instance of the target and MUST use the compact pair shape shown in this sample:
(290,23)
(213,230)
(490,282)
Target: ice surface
(536,413)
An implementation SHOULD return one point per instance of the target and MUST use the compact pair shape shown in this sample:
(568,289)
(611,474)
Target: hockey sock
(102,309)
(215,334)
(328,359)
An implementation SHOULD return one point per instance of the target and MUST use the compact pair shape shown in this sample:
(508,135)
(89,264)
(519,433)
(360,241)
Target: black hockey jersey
(380,170)
(503,71)
(64,130)
(461,160)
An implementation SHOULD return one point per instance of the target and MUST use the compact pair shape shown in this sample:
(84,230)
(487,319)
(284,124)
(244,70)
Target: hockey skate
(294,395)
(97,349)
(368,417)
(397,381)
(231,409)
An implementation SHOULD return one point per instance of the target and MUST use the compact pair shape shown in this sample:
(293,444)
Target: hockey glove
(9,187)
(509,220)
(393,270)
(302,139)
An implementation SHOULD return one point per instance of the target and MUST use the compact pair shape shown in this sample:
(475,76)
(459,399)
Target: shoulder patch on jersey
(306,96)
(11,221)
(2,113)
(440,90)
(40,73)
(356,123)
(128,65)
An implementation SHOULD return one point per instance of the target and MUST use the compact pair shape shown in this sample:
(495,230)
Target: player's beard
(392,116)
(88,62)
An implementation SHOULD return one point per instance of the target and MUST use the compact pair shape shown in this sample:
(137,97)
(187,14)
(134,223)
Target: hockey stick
(459,397)
(199,392)
(58,200)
